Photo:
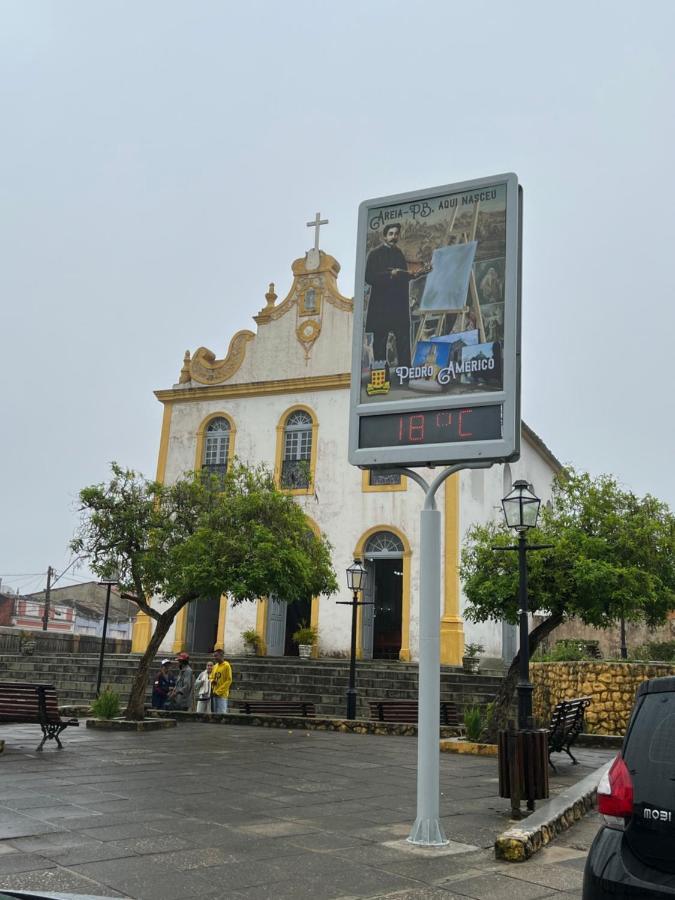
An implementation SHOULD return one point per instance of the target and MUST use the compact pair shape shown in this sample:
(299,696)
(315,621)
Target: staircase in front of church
(321,681)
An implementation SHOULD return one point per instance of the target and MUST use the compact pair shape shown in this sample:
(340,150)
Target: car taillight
(615,794)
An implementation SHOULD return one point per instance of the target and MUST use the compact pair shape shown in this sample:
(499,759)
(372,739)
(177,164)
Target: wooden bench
(25,702)
(277,708)
(406,711)
(567,722)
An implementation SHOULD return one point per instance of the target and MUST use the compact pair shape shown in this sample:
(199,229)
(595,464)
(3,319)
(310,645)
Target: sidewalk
(225,811)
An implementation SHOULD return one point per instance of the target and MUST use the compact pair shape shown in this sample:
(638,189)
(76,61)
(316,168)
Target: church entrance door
(275,631)
(283,620)
(382,622)
(202,625)
(297,615)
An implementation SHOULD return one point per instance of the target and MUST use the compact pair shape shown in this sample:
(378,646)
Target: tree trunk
(502,710)
(136,702)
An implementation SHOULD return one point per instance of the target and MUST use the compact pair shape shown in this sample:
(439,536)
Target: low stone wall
(51,642)
(352,726)
(520,842)
(611,685)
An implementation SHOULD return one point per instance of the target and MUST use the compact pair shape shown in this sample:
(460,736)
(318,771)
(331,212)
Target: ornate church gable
(308,334)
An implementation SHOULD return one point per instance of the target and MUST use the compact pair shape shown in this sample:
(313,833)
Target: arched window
(297,451)
(216,446)
(384,544)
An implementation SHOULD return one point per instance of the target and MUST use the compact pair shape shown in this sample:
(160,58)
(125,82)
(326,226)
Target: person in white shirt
(203,688)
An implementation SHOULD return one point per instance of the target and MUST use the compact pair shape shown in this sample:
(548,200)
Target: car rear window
(652,739)
(650,757)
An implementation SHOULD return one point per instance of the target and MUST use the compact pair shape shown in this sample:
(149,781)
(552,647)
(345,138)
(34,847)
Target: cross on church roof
(317,223)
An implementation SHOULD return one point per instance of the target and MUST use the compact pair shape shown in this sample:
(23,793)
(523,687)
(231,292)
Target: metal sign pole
(427,830)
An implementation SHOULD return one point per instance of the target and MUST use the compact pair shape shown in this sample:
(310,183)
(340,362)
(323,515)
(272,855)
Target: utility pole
(48,594)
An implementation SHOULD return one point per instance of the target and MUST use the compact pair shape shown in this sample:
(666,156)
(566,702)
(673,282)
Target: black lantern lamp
(356,581)
(356,577)
(108,582)
(521,511)
(521,507)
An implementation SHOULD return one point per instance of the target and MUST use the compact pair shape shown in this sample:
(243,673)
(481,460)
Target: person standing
(203,689)
(182,695)
(389,304)
(162,684)
(221,679)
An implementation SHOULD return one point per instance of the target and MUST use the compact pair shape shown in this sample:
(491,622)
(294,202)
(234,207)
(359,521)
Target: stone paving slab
(220,811)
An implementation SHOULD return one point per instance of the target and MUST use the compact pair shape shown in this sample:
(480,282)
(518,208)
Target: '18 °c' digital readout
(434,426)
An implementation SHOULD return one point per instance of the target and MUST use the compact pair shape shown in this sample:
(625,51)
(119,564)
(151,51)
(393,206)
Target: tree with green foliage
(198,537)
(612,556)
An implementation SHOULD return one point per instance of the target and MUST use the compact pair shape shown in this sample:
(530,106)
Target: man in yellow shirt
(221,679)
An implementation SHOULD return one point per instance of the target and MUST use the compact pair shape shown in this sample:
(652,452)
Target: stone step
(301,681)
(322,681)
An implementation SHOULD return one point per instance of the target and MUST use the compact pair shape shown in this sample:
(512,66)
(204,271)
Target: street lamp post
(356,581)
(109,582)
(622,623)
(521,510)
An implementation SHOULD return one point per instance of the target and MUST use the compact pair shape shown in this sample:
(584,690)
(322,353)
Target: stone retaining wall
(611,685)
(355,726)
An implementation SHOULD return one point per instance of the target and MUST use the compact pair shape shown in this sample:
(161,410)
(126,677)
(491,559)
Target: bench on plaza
(567,722)
(406,711)
(24,702)
(277,708)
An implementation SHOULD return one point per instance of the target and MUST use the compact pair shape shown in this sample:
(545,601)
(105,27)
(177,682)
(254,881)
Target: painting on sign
(434,273)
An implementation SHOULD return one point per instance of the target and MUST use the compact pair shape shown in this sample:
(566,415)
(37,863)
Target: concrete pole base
(427,833)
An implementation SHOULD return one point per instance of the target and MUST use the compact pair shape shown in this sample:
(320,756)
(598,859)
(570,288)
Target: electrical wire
(20,574)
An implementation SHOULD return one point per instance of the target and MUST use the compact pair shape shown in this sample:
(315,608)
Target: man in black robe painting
(388,306)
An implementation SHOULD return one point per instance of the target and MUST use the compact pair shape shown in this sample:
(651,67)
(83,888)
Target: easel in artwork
(432,324)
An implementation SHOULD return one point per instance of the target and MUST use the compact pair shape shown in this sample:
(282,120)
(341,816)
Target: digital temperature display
(437,426)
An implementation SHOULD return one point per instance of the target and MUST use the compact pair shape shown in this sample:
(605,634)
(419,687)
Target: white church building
(280,396)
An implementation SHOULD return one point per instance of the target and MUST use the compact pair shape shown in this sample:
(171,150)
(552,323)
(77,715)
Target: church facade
(280,396)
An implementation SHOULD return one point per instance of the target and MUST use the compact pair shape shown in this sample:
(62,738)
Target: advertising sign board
(436,344)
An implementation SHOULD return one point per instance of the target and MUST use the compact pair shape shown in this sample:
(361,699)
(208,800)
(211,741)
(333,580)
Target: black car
(633,855)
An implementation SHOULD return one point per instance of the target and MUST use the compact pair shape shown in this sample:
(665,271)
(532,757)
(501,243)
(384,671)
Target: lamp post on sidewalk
(521,511)
(109,582)
(356,581)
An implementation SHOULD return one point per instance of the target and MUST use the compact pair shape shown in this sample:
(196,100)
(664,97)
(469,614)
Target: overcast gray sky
(160,160)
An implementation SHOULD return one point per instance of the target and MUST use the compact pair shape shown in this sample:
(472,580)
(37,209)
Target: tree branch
(142,605)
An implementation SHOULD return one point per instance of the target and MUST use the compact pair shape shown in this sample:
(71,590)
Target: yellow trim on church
(141,633)
(359,553)
(164,442)
(201,435)
(255,388)
(222,619)
(452,625)
(180,631)
(279,453)
(368,488)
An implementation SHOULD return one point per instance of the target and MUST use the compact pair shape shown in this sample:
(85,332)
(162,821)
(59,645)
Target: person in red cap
(182,695)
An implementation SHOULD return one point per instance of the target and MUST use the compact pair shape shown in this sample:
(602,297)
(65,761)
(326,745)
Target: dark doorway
(297,615)
(388,608)
(202,626)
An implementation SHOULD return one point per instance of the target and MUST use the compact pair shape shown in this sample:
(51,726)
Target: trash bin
(523,766)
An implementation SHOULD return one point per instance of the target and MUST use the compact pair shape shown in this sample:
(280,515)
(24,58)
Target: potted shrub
(252,642)
(305,637)
(470,659)
(27,643)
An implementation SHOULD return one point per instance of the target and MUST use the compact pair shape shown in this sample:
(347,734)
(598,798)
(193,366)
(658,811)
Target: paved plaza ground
(206,810)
